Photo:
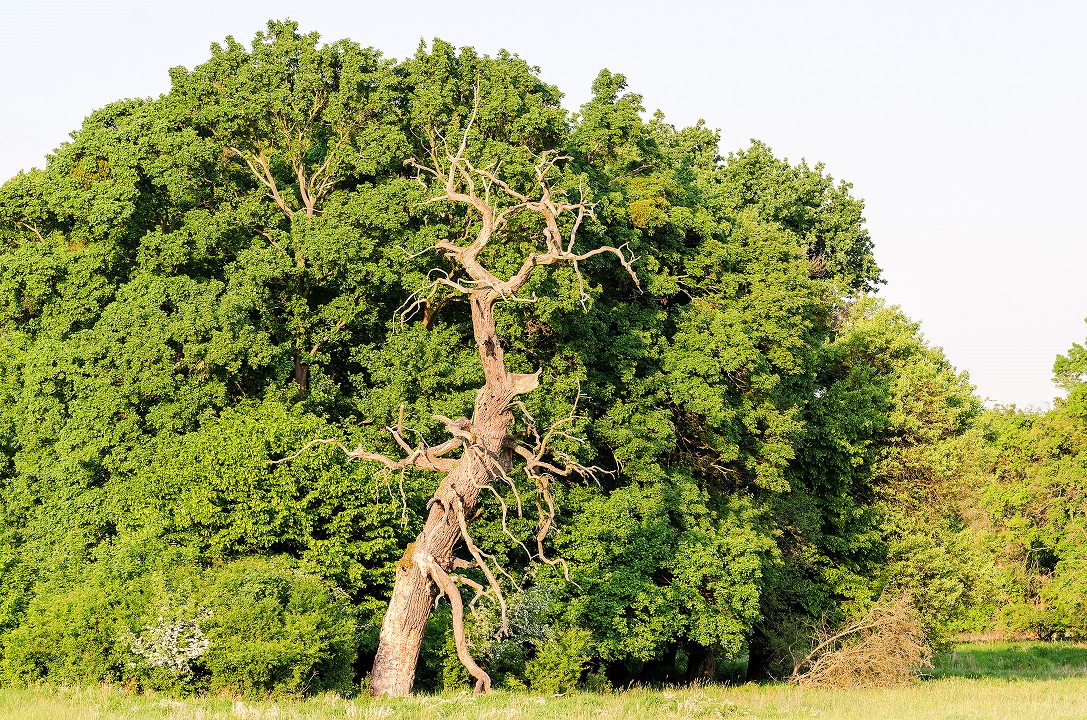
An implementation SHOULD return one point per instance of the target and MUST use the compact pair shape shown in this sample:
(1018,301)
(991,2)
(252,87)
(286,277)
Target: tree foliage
(1031,469)
(199,284)
(873,501)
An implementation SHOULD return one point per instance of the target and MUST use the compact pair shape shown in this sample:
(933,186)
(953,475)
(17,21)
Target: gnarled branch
(449,589)
(421,456)
(462,183)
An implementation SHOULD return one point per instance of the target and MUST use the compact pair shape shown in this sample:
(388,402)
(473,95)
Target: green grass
(1022,660)
(1007,681)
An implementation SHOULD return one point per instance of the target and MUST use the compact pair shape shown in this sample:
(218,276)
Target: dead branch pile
(886,647)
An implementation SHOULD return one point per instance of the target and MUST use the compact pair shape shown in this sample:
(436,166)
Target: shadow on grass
(1013,660)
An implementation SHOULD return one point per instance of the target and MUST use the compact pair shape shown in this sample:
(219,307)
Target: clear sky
(962,124)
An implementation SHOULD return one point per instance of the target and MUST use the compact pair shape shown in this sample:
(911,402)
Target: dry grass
(946,699)
(1002,681)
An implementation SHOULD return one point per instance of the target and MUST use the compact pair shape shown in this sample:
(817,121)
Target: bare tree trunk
(301,374)
(402,629)
(487,452)
(414,591)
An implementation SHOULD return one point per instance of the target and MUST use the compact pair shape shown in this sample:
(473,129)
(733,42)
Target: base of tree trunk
(402,629)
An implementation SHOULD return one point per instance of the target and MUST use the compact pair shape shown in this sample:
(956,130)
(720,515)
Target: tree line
(708,436)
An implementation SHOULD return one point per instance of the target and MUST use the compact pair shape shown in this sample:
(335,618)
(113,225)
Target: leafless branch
(456,603)
(272,240)
(460,183)
(477,555)
(542,471)
(34,230)
(480,590)
(505,514)
(263,176)
(422,456)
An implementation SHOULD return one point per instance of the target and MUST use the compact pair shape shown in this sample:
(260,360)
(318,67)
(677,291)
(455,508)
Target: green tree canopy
(201,283)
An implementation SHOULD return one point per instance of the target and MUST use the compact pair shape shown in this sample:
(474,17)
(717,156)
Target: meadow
(1040,681)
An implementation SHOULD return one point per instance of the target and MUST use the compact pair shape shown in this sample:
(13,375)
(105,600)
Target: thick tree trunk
(414,592)
(402,629)
(700,664)
(759,656)
(301,375)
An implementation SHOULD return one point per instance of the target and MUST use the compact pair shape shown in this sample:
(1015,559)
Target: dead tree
(480,451)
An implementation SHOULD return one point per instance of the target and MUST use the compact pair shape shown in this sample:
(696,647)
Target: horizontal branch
(421,456)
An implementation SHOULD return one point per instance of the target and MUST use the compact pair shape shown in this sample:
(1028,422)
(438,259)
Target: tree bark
(759,656)
(414,591)
(486,454)
(301,374)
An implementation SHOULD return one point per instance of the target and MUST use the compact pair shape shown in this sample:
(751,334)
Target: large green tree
(874,498)
(304,241)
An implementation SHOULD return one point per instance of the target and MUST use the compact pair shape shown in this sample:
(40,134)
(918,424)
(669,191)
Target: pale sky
(963,125)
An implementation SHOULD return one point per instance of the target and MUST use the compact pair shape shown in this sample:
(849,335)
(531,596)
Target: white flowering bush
(502,654)
(171,644)
(527,625)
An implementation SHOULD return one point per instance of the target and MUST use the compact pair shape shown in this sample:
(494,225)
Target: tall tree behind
(224,270)
(1031,471)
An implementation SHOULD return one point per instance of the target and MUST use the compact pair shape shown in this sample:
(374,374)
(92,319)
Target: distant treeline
(200,284)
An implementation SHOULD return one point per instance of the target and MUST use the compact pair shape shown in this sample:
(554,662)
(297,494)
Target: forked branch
(261,168)
(495,202)
(422,456)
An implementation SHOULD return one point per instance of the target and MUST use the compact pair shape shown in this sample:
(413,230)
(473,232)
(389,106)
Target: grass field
(1019,681)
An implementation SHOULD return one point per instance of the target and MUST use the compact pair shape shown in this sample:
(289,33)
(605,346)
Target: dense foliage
(1031,478)
(198,285)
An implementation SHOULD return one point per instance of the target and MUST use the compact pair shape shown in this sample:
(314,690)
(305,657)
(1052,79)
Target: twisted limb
(448,588)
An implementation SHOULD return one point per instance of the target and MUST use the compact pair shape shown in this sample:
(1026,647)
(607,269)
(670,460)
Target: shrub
(939,570)
(273,629)
(70,636)
(560,662)
(77,625)
(528,627)
(148,617)
(1065,597)
(163,654)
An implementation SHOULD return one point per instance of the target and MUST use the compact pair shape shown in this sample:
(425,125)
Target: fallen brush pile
(885,648)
